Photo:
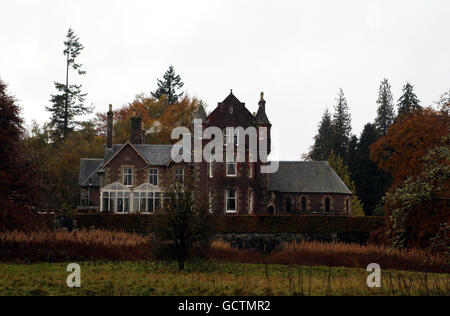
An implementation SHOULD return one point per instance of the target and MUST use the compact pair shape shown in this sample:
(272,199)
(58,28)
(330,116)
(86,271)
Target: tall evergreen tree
(371,183)
(408,102)
(385,112)
(68,103)
(322,141)
(341,126)
(352,156)
(169,86)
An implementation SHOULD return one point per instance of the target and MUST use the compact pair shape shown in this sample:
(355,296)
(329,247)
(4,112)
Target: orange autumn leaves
(415,151)
(401,150)
(158,116)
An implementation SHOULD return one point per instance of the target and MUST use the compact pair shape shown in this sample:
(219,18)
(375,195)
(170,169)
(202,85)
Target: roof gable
(231,112)
(155,155)
(115,154)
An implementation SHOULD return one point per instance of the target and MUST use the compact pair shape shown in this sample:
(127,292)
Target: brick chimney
(109,128)
(136,129)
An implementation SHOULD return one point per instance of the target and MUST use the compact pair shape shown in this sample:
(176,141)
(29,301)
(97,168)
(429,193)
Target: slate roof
(88,170)
(306,177)
(157,155)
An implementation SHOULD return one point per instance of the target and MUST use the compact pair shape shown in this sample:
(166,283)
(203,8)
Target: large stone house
(131,177)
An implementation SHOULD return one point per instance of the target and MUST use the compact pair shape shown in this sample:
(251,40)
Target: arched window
(347,205)
(327,204)
(304,204)
(288,205)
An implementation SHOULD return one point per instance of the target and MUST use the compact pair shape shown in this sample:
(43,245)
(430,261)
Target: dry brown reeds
(119,246)
(336,254)
(78,245)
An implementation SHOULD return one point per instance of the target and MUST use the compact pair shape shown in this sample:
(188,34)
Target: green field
(147,278)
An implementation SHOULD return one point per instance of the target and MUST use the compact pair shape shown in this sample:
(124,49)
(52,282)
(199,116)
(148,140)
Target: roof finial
(231,91)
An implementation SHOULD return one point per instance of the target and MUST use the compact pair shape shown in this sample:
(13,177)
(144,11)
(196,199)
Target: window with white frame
(250,201)
(231,169)
(128,176)
(119,202)
(231,201)
(153,176)
(179,175)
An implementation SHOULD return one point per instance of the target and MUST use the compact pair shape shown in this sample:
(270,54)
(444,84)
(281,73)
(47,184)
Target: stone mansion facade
(130,178)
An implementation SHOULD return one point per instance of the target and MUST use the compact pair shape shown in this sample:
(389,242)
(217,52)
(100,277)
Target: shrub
(144,224)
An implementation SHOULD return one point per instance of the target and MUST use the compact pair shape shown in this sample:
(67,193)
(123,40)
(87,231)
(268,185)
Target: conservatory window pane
(150,205)
(135,202)
(157,201)
(112,202)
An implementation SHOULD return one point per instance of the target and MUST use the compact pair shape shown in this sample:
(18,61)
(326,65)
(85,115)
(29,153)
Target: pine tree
(352,156)
(385,112)
(169,86)
(408,102)
(337,163)
(69,102)
(371,183)
(322,141)
(341,125)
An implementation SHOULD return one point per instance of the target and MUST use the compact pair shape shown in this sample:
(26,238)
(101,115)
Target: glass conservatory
(118,198)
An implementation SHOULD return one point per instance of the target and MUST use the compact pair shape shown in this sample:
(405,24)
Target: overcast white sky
(298,52)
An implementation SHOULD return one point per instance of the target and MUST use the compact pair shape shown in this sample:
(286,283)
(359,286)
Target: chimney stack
(136,129)
(109,128)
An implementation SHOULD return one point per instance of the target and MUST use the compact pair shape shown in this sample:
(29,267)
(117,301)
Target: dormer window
(128,176)
(231,110)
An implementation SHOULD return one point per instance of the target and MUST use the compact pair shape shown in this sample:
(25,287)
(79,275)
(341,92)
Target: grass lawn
(148,278)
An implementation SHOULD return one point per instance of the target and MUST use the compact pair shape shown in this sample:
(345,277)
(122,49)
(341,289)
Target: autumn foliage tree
(158,117)
(18,182)
(415,151)
(400,151)
(59,163)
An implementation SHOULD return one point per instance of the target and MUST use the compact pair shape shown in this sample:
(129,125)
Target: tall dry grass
(120,246)
(78,245)
(335,255)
